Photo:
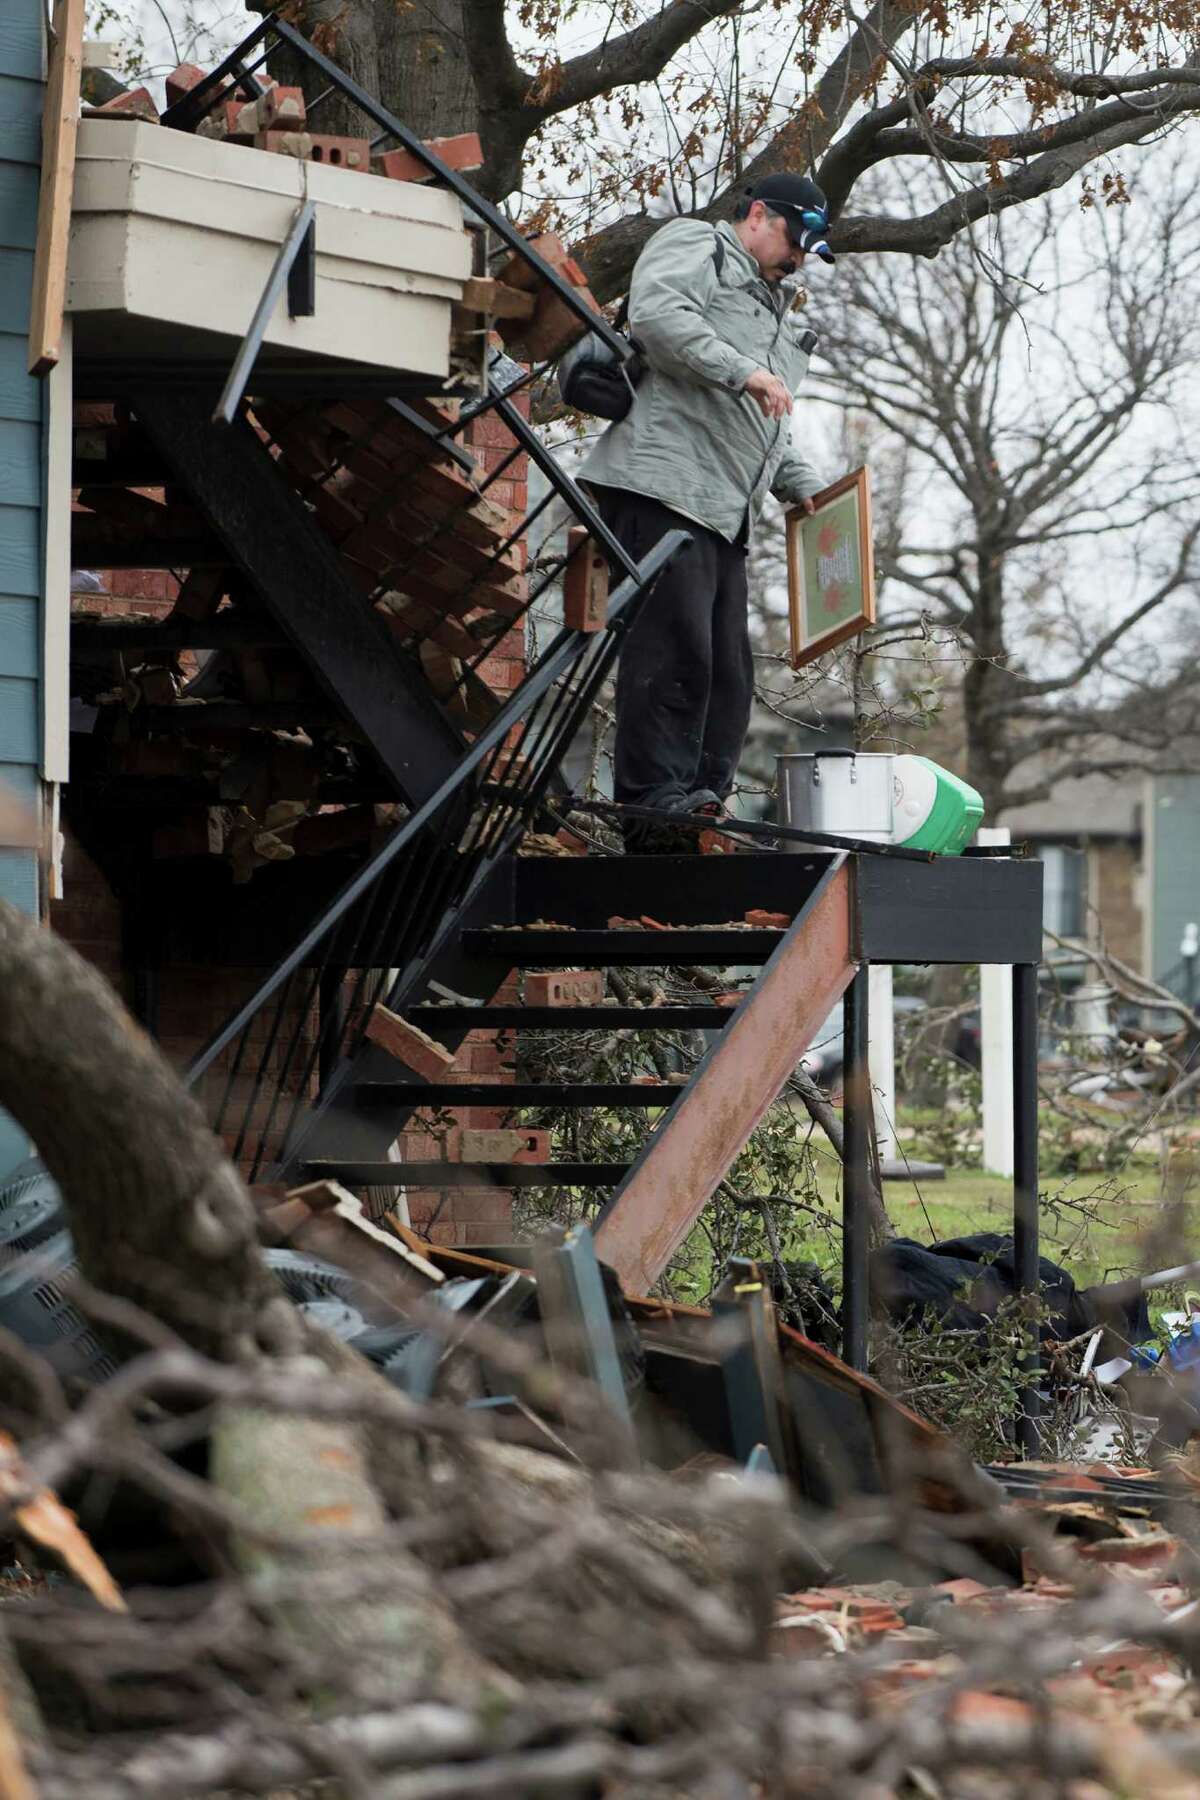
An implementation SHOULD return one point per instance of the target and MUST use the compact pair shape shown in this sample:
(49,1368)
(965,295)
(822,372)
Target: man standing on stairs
(707,436)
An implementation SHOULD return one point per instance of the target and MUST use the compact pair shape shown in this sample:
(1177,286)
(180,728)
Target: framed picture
(831,568)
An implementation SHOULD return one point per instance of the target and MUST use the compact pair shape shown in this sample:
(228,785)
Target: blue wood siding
(1173,874)
(22,454)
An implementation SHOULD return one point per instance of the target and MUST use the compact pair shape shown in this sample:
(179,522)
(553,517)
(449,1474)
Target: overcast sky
(1103,578)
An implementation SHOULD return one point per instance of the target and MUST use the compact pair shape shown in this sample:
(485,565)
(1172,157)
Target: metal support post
(760,1422)
(856,1172)
(332,1023)
(1025,1175)
(577,1325)
(243,365)
(302,277)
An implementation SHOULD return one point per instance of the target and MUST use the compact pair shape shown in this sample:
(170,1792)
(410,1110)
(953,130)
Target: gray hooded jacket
(692,438)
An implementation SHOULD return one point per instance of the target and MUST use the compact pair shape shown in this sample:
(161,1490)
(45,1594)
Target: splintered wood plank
(60,125)
(666,1188)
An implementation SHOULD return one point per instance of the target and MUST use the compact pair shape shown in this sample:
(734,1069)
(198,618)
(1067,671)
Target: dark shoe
(659,837)
(706,802)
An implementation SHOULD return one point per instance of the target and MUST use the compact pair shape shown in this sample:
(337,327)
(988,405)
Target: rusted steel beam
(662,1196)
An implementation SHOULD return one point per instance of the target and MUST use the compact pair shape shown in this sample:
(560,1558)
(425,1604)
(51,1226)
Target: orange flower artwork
(831,593)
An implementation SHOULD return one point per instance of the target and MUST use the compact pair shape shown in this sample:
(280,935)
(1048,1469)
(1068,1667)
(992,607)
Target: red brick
(491,432)
(182,80)
(462,152)
(221,121)
(768,921)
(281,108)
(585,583)
(409,1044)
(508,1144)
(135,103)
(483,1206)
(337,152)
(565,987)
(519,272)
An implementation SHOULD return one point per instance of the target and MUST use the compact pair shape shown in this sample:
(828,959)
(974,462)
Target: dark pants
(686,677)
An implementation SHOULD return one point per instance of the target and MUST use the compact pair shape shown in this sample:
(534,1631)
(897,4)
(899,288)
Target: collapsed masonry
(209,754)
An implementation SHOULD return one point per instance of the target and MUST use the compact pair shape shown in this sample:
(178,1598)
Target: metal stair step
(452,1174)
(512,1095)
(527,948)
(570,1018)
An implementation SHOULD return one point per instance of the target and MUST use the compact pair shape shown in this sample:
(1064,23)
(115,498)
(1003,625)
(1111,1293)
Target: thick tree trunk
(410,56)
(339,1590)
(160,1217)
(158,1213)
(987,684)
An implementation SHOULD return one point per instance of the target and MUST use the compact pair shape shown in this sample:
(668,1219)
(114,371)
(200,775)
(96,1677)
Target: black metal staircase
(431,924)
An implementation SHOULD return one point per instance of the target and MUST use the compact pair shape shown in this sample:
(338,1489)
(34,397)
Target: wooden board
(60,125)
(663,1194)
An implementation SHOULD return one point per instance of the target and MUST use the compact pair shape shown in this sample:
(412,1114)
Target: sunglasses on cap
(812,218)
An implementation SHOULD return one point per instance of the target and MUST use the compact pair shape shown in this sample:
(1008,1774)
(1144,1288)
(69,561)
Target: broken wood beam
(99,543)
(496,300)
(667,1187)
(60,127)
(585,583)
(230,630)
(233,715)
(327,1220)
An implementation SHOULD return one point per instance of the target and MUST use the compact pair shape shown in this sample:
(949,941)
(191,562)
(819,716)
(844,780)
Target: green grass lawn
(1098,1226)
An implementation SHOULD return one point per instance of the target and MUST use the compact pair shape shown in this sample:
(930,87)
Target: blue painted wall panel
(18,205)
(22,454)
(20,394)
(21,40)
(20,779)
(19,882)
(20,459)
(16,286)
(20,550)
(20,638)
(19,707)
(20,120)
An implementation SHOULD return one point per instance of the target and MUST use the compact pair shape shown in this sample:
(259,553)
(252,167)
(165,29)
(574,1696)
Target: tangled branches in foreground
(331,1589)
(519,1624)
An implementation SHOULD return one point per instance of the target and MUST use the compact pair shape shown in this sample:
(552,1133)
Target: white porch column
(881,1057)
(996,1047)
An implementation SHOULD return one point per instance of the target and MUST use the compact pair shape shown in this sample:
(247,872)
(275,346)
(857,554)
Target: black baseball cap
(799,200)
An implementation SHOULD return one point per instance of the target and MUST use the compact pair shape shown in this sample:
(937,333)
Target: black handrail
(557,660)
(187,112)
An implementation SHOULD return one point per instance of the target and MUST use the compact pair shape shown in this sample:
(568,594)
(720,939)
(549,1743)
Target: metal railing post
(1025,1178)
(291,248)
(856,1175)
(504,229)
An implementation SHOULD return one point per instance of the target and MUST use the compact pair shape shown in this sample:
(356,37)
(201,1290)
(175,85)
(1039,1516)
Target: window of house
(1065,890)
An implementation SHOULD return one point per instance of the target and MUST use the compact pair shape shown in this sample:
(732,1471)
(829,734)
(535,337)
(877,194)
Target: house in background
(1088,834)
(1122,862)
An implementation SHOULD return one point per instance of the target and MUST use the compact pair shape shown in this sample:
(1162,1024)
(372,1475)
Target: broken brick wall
(465,1216)
(191,1003)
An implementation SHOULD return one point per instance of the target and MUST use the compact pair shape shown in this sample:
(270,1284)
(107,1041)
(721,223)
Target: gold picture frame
(831,568)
